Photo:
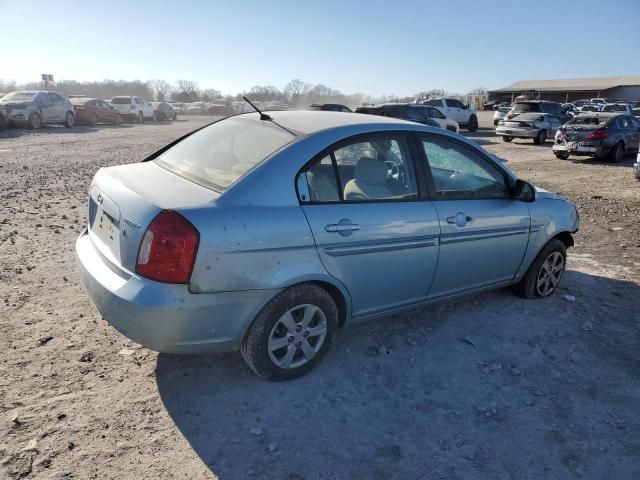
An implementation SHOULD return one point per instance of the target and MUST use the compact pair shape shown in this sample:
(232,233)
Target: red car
(94,111)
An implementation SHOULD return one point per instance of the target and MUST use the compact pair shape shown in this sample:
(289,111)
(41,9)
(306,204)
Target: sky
(374,46)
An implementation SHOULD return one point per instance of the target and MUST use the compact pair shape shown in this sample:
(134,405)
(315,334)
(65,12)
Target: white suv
(134,107)
(456,110)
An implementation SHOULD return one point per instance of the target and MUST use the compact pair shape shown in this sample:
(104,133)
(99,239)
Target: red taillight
(598,134)
(168,249)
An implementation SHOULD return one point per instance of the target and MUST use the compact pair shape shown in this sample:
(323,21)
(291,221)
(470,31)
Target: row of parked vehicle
(607,131)
(33,108)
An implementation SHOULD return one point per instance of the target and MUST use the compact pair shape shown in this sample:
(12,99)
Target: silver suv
(34,108)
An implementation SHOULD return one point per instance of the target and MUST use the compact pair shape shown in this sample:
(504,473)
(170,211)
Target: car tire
(541,138)
(507,139)
(545,273)
(35,121)
(473,123)
(154,117)
(140,118)
(69,120)
(260,346)
(3,122)
(562,156)
(616,154)
(117,120)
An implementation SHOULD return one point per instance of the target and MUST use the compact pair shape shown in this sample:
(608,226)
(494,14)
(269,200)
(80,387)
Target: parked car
(132,107)
(179,107)
(600,101)
(181,255)
(453,108)
(494,105)
(570,109)
(590,107)
(599,135)
(35,108)
(538,106)
(94,111)
(581,103)
(437,116)
(220,109)
(500,114)
(626,108)
(196,108)
(403,111)
(164,111)
(329,107)
(3,117)
(536,126)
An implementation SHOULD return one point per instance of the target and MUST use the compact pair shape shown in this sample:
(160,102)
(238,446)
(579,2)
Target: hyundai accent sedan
(268,233)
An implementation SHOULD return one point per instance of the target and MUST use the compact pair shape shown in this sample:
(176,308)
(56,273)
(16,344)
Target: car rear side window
(458,172)
(121,100)
(220,154)
(526,107)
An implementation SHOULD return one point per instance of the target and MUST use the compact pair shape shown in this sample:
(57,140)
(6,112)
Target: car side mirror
(523,191)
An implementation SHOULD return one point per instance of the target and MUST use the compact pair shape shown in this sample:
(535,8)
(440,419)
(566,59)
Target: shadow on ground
(489,387)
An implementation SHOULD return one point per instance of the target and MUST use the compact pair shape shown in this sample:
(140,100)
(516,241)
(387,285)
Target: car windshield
(526,107)
(220,154)
(529,116)
(580,120)
(615,108)
(121,100)
(19,97)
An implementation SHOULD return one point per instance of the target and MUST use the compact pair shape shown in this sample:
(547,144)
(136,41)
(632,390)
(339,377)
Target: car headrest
(371,170)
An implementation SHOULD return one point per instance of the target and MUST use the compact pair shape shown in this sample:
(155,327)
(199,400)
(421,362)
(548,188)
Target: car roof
(601,114)
(311,121)
(81,100)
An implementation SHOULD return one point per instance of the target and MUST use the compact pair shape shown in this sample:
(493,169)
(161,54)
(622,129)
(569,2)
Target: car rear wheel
(69,120)
(35,122)
(562,155)
(140,117)
(544,274)
(507,139)
(541,138)
(473,123)
(616,153)
(291,333)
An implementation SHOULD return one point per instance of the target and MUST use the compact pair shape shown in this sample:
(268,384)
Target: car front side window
(458,172)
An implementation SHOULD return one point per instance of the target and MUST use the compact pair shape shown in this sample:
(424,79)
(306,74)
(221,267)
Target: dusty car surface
(600,135)
(536,126)
(267,233)
(34,108)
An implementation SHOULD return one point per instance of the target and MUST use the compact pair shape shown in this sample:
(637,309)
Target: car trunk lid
(123,200)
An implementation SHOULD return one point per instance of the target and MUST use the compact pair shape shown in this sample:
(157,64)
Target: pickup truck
(456,110)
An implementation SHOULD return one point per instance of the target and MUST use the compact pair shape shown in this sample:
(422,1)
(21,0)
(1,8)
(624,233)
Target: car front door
(483,231)
(455,110)
(555,123)
(57,110)
(374,228)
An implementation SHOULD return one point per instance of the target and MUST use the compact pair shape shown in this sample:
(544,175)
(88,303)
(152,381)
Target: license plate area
(104,219)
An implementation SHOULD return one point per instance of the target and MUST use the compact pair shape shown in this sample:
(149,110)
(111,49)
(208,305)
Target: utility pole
(46,77)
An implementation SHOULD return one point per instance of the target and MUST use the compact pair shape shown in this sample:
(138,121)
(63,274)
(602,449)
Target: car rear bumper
(164,317)
(518,132)
(589,151)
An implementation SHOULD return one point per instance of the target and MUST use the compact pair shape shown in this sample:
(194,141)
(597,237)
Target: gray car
(34,108)
(267,233)
(536,126)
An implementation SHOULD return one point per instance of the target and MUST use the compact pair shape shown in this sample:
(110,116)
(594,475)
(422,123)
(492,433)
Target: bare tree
(296,89)
(160,88)
(478,91)
(187,91)
(265,93)
(209,94)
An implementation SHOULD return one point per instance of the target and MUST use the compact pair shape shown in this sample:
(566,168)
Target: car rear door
(374,228)
(483,231)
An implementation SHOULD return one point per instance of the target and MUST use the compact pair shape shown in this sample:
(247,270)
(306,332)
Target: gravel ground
(490,387)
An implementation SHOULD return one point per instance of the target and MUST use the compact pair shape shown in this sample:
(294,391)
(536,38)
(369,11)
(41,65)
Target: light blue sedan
(269,233)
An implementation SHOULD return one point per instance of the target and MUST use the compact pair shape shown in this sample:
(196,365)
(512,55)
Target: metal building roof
(572,84)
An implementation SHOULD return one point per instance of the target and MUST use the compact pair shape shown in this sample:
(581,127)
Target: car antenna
(263,116)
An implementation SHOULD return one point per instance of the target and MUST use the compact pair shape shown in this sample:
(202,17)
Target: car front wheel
(473,123)
(541,138)
(562,155)
(140,117)
(69,120)
(291,333)
(617,152)
(35,122)
(544,274)
(507,139)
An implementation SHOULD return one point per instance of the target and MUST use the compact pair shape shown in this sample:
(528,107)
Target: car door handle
(340,227)
(459,219)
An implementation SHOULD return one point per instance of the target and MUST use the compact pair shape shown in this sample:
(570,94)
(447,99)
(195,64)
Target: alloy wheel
(297,336)
(550,274)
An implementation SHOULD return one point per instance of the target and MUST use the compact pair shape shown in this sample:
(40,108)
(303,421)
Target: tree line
(296,93)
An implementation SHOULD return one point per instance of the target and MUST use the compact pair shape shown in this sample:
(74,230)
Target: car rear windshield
(526,107)
(220,154)
(19,96)
(615,108)
(529,116)
(580,120)
(121,100)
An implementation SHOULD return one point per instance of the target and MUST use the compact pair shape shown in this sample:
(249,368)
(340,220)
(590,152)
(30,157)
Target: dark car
(3,117)
(538,106)
(164,111)
(598,135)
(404,111)
(329,107)
(93,111)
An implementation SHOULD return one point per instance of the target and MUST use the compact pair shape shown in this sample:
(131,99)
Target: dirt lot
(491,387)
